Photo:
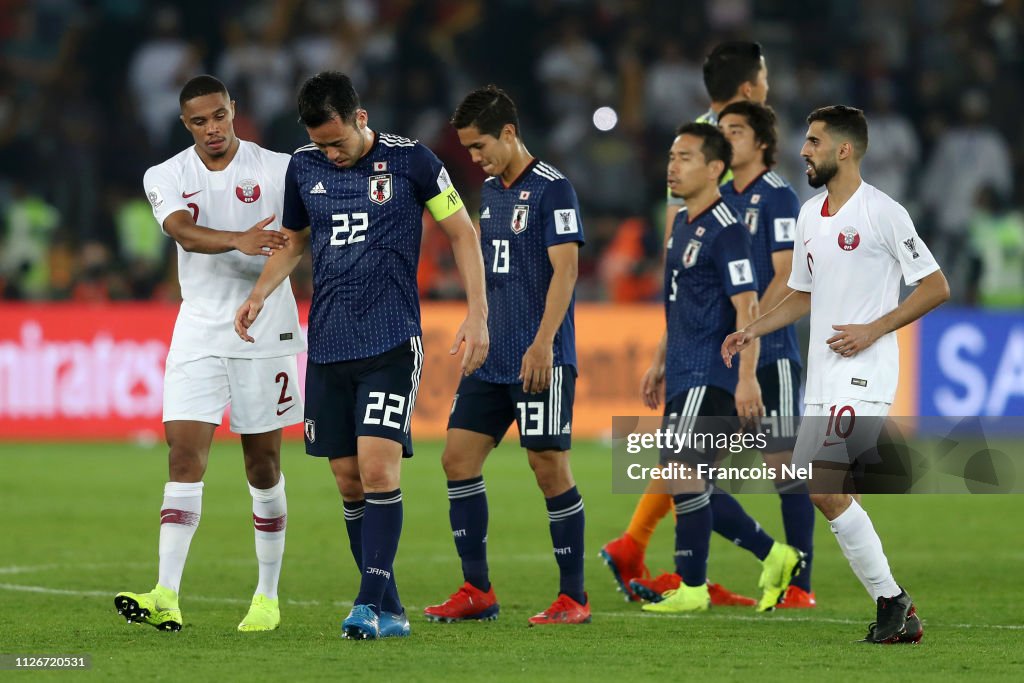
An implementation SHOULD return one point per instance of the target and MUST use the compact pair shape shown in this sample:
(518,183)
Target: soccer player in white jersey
(237,187)
(853,244)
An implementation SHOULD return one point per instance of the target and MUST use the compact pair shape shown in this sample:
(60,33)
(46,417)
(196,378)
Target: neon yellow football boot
(158,608)
(782,564)
(681,600)
(264,615)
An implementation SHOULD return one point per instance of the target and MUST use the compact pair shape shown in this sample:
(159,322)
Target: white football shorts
(263,392)
(840,432)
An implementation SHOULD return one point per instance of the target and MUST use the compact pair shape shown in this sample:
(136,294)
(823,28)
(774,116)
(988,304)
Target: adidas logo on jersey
(486,213)
(566,428)
(318,189)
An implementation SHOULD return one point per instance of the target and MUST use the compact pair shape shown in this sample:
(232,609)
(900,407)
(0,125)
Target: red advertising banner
(74,371)
(78,371)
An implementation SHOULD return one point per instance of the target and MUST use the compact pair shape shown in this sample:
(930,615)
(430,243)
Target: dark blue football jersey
(769,207)
(708,261)
(366,222)
(517,225)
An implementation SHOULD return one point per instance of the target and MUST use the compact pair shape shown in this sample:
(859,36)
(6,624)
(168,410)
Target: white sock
(269,517)
(179,517)
(863,550)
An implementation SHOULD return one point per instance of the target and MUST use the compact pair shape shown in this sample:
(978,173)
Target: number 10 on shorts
(383,407)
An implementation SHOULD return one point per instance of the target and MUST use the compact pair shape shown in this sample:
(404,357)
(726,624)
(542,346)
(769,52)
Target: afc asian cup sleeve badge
(380,188)
(849,239)
(690,253)
(247,191)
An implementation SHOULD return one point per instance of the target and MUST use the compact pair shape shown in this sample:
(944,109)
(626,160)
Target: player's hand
(748,399)
(652,387)
(473,332)
(246,316)
(535,370)
(734,343)
(258,241)
(849,340)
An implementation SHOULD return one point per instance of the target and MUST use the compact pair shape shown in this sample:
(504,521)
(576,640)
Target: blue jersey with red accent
(768,206)
(517,225)
(708,261)
(365,227)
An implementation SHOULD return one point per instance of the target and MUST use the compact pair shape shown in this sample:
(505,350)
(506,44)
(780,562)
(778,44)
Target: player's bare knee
(552,471)
(831,504)
(186,464)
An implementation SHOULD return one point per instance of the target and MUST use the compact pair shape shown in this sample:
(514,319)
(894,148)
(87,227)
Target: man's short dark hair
(713,146)
(199,86)
(844,124)
(326,95)
(762,120)
(729,66)
(489,109)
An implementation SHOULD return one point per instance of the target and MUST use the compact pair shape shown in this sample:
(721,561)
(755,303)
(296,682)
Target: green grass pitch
(81,523)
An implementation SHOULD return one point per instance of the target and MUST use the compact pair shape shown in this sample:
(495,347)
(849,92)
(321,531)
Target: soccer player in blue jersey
(356,198)
(768,206)
(531,233)
(734,71)
(710,287)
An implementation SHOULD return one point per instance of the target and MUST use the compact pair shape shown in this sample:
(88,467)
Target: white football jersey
(213,286)
(851,264)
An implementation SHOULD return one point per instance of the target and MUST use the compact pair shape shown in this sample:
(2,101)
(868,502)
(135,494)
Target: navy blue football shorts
(700,417)
(364,397)
(780,391)
(544,419)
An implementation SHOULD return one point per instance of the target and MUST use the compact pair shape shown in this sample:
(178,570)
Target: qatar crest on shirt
(247,191)
(380,188)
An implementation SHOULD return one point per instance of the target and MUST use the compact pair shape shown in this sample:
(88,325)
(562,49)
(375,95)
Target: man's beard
(822,174)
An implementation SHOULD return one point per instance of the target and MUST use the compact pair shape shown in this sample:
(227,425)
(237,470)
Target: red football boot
(723,597)
(469,603)
(797,598)
(564,610)
(625,558)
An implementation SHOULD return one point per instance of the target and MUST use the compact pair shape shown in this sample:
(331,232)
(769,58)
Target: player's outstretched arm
(652,385)
(748,390)
(796,305)
(278,267)
(849,340)
(256,241)
(470,261)
(535,369)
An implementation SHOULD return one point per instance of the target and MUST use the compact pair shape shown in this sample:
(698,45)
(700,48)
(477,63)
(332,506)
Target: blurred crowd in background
(89,100)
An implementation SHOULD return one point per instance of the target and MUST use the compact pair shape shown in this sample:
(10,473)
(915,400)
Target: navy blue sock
(693,536)
(565,513)
(354,511)
(382,527)
(467,511)
(798,520)
(733,522)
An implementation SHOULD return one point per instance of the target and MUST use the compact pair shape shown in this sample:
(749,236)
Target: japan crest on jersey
(310,429)
(690,253)
(380,188)
(520,215)
(750,218)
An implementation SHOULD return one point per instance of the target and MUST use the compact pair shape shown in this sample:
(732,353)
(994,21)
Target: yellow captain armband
(445,204)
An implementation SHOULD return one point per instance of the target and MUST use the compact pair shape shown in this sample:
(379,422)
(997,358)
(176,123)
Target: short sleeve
(434,188)
(163,195)
(560,213)
(900,238)
(294,216)
(732,257)
(800,275)
(785,206)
